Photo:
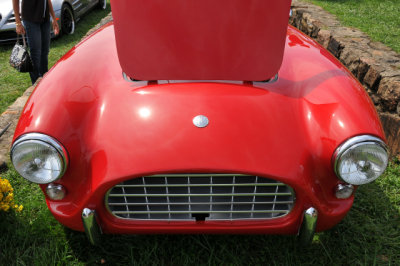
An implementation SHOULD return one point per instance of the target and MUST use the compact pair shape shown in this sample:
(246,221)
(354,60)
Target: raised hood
(200,40)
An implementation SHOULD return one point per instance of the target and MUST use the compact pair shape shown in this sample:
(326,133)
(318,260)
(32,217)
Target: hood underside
(200,40)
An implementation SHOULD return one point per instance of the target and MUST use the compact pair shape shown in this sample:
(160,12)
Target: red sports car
(199,117)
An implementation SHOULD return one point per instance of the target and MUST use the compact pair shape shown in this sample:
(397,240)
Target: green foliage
(378,18)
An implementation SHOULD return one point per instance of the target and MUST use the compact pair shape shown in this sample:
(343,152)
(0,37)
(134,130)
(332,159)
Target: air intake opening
(200,197)
(200,216)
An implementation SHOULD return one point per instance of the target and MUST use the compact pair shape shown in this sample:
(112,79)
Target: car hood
(200,40)
(282,128)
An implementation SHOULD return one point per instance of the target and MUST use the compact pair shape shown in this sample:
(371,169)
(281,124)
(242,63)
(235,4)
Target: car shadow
(367,235)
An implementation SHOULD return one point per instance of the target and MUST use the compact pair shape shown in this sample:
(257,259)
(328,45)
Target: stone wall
(376,66)
(8,122)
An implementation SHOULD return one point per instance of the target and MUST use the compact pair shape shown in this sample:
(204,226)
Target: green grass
(380,19)
(369,235)
(13,84)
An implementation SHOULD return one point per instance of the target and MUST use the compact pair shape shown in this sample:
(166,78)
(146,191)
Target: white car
(68,12)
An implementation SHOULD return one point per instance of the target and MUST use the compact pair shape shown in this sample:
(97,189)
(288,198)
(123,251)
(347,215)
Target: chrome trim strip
(189,212)
(145,193)
(274,79)
(92,228)
(173,81)
(197,203)
(307,229)
(201,195)
(196,175)
(126,78)
(207,185)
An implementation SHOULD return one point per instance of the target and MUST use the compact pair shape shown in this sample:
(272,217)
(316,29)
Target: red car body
(114,129)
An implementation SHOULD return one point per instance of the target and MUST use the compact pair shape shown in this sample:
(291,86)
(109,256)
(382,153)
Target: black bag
(20,59)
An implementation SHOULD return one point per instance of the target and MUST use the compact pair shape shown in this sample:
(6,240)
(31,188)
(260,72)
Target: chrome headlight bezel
(45,140)
(353,143)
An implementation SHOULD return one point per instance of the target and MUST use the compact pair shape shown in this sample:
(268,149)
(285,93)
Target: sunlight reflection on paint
(37,122)
(144,112)
(103,106)
(142,92)
(341,124)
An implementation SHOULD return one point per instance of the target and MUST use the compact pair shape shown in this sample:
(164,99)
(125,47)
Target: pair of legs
(38,35)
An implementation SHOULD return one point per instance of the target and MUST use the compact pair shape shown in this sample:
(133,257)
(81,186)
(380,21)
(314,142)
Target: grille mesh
(200,197)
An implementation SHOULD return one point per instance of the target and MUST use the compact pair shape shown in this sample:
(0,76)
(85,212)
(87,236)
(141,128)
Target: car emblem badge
(200,121)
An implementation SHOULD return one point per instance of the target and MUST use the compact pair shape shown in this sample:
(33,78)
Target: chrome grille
(200,197)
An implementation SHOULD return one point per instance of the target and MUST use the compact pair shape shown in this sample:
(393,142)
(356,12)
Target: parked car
(68,12)
(207,117)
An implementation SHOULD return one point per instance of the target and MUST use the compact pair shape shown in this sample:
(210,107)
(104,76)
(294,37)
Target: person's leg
(45,30)
(35,42)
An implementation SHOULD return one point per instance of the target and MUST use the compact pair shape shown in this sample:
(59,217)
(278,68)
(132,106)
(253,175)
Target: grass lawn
(380,19)
(13,83)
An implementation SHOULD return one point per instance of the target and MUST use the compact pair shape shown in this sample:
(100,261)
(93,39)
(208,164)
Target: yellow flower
(5,186)
(4,207)
(2,186)
(7,197)
(18,208)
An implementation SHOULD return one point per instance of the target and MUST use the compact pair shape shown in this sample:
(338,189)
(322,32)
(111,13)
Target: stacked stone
(8,122)
(376,66)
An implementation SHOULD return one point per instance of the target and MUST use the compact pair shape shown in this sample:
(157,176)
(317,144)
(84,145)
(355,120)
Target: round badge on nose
(200,121)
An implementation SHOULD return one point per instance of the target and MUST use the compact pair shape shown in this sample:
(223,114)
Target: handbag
(20,58)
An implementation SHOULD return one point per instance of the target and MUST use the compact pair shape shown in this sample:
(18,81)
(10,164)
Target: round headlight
(360,160)
(39,158)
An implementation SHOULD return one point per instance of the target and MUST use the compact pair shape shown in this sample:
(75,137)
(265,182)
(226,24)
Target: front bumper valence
(305,235)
